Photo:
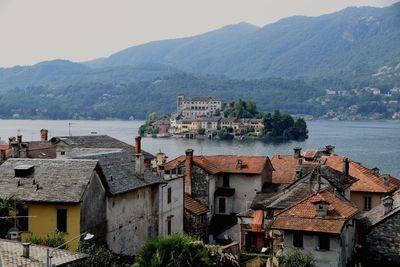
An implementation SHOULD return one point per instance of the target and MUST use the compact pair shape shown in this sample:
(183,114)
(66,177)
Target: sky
(78,30)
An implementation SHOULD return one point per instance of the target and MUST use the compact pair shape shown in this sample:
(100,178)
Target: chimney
(138,145)
(346,166)
(329,149)
(23,150)
(15,149)
(387,203)
(321,208)
(139,158)
(188,171)
(25,250)
(161,171)
(19,139)
(43,135)
(2,156)
(297,152)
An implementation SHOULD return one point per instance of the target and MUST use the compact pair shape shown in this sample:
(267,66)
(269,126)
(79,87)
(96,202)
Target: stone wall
(199,185)
(383,242)
(196,225)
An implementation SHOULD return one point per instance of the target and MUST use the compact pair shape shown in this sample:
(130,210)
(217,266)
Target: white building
(198,106)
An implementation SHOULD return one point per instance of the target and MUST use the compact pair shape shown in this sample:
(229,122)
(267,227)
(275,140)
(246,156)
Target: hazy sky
(78,30)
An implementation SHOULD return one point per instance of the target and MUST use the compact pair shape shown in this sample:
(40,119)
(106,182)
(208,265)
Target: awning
(256,226)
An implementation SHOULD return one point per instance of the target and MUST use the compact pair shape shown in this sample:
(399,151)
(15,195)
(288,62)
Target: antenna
(69,128)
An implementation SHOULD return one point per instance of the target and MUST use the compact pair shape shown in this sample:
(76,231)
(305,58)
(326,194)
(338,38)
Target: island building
(198,106)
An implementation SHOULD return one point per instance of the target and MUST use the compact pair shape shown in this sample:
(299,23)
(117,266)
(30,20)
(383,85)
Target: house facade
(323,224)
(198,106)
(64,195)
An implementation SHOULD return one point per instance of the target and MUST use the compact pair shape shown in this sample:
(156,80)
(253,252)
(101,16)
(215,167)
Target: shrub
(296,258)
(51,240)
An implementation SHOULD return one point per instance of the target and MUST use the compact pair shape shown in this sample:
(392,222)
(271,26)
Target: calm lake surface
(373,143)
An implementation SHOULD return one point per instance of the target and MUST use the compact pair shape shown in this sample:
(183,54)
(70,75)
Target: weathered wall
(199,185)
(173,210)
(195,225)
(93,210)
(358,199)
(132,218)
(383,242)
(324,258)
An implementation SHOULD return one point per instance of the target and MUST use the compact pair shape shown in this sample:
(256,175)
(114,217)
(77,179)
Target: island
(208,117)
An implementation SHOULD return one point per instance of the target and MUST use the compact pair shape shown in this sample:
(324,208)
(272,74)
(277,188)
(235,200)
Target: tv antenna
(69,127)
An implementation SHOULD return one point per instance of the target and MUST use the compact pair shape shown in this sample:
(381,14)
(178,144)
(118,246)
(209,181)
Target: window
(62,153)
(225,180)
(169,226)
(23,223)
(323,242)
(169,195)
(367,203)
(62,220)
(297,239)
(222,208)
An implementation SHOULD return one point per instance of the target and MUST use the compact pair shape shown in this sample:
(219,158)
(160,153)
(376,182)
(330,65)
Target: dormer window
(24,170)
(321,208)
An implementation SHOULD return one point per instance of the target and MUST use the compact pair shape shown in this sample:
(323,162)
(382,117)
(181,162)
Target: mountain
(352,43)
(61,73)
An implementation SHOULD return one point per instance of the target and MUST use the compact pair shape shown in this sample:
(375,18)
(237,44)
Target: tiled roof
(97,141)
(302,216)
(300,188)
(58,180)
(285,169)
(368,181)
(377,214)
(194,206)
(38,149)
(224,163)
(118,167)
(203,98)
(11,255)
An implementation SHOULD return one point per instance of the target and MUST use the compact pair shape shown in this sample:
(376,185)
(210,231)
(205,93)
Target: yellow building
(65,195)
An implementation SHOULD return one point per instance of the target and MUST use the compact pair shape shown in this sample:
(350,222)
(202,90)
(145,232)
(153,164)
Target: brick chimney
(139,158)
(43,135)
(15,149)
(297,152)
(188,171)
(346,166)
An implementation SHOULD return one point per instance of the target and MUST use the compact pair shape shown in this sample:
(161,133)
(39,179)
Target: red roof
(368,180)
(285,169)
(302,216)
(7,148)
(225,163)
(195,206)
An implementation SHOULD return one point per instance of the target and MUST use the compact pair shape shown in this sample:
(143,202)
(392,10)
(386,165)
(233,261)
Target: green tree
(201,131)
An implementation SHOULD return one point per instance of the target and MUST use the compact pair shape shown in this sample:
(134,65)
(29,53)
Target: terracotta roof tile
(225,163)
(194,206)
(368,181)
(285,169)
(302,216)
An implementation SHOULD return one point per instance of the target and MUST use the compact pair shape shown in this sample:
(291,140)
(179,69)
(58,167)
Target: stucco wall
(93,210)
(358,199)
(246,187)
(173,210)
(324,258)
(132,218)
(44,220)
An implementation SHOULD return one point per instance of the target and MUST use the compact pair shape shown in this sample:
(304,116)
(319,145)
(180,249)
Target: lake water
(373,143)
